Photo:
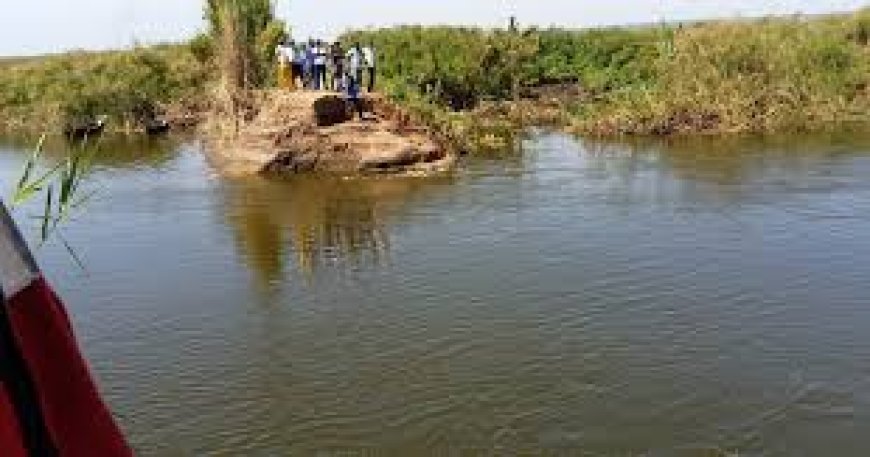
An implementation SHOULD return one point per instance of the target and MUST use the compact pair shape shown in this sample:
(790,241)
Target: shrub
(124,85)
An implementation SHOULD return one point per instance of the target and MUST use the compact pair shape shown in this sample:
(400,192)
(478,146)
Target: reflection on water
(729,170)
(730,160)
(583,297)
(110,151)
(322,221)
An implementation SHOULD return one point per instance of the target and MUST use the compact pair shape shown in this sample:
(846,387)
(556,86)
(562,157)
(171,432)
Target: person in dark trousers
(337,58)
(298,65)
(310,70)
(353,94)
(369,61)
(320,58)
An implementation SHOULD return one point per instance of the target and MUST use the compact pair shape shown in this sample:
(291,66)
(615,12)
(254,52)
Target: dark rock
(331,110)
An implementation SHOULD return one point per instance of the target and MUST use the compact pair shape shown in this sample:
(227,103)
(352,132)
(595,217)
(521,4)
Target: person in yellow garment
(285,53)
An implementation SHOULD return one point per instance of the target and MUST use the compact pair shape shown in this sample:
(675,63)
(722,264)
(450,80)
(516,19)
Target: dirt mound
(300,132)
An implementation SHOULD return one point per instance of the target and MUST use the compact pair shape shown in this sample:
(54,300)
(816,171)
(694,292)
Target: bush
(458,67)
(123,85)
(203,48)
(859,28)
(453,67)
(737,76)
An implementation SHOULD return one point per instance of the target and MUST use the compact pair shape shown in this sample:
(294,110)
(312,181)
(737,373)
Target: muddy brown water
(699,297)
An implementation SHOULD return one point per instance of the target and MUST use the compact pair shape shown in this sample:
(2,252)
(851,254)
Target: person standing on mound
(320,59)
(353,95)
(337,60)
(285,53)
(369,61)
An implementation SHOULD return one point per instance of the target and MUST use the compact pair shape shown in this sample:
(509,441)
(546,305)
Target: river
(691,297)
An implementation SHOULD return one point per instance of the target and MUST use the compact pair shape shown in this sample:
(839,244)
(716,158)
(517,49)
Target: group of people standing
(316,65)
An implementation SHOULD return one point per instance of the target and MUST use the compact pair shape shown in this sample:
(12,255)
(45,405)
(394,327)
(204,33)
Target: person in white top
(370,62)
(285,53)
(355,63)
(320,58)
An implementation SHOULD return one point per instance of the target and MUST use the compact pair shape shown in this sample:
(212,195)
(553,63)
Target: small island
(316,132)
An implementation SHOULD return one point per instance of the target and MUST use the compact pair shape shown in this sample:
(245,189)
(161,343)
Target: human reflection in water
(325,222)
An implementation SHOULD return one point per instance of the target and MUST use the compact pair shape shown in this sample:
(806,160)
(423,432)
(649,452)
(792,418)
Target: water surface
(690,298)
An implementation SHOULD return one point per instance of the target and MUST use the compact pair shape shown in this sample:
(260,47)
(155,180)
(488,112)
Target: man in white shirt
(320,58)
(369,60)
(355,63)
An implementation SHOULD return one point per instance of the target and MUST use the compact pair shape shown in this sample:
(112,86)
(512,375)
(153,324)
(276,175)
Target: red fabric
(76,417)
(10,434)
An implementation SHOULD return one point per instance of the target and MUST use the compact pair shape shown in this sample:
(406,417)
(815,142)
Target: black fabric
(22,394)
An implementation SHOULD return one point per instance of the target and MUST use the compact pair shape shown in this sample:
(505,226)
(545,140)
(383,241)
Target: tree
(241,30)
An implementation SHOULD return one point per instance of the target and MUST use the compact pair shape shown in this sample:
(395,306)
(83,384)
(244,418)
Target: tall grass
(797,73)
(242,38)
(601,59)
(60,190)
(36,93)
(43,93)
(453,67)
(459,67)
(244,33)
(769,75)
(449,77)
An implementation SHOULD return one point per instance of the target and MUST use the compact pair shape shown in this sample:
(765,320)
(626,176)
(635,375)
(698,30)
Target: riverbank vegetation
(36,93)
(775,74)
(240,42)
(476,86)
(128,86)
(759,76)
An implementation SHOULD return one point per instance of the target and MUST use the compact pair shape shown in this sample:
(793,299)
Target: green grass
(43,94)
(46,92)
(740,77)
(454,67)
(778,74)
(459,67)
